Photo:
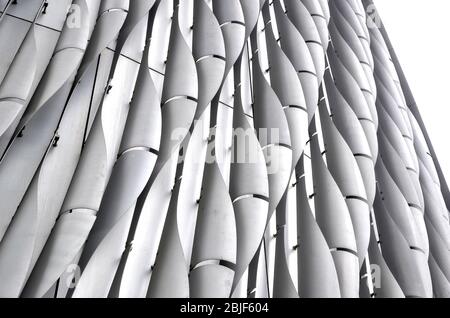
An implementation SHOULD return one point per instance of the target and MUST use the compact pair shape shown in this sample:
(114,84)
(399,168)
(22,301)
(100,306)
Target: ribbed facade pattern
(213,148)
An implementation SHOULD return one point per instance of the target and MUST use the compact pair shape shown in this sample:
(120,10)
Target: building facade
(213,148)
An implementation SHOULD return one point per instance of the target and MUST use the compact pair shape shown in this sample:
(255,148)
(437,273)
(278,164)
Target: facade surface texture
(213,148)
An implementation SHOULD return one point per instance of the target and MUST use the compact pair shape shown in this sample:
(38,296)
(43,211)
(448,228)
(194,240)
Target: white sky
(419,31)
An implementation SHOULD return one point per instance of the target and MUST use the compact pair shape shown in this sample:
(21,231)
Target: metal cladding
(211,148)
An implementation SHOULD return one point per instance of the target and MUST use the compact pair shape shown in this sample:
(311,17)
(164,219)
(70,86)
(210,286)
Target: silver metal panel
(210,148)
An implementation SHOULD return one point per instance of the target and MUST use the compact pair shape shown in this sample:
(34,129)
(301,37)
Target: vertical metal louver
(212,148)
